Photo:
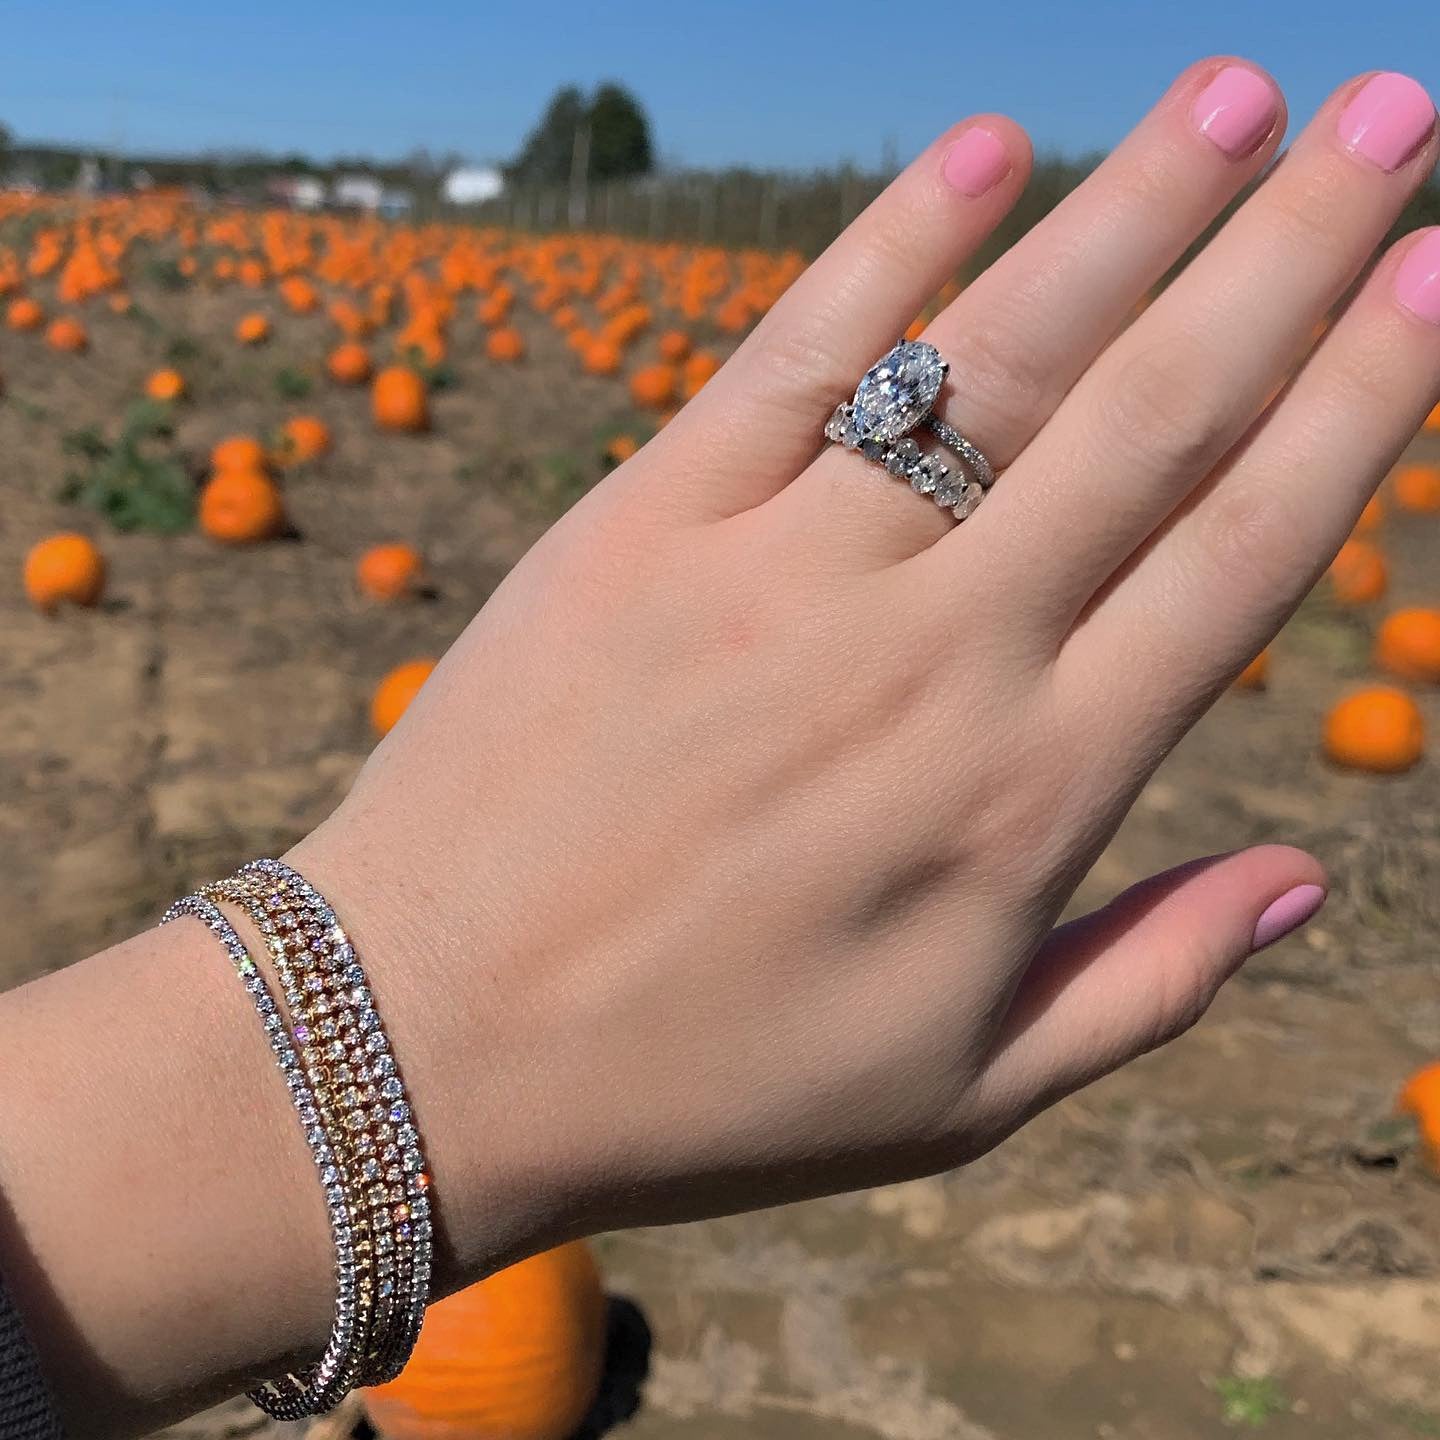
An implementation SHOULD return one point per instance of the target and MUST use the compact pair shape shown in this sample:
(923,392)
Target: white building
(472,185)
(357,192)
(307,192)
(299,192)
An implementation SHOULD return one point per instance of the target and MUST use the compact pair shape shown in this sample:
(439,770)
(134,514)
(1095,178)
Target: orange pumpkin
(1358,574)
(1380,730)
(1421,1098)
(303,438)
(654,386)
(600,357)
(349,364)
(388,572)
(1408,645)
(1432,420)
(68,335)
(24,313)
(238,452)
(1417,488)
(517,1357)
(241,507)
(505,345)
(1370,517)
(398,400)
(299,295)
(674,346)
(1256,675)
(64,569)
(621,448)
(395,692)
(698,370)
(252,329)
(165,385)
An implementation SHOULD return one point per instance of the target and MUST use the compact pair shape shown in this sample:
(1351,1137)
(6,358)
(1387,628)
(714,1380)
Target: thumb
(1116,983)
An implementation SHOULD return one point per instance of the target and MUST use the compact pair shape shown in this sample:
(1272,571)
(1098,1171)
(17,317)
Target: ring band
(970,453)
(895,397)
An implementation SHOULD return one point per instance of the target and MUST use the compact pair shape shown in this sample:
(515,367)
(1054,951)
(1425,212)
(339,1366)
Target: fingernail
(1417,281)
(1388,120)
(1287,913)
(1236,110)
(976,162)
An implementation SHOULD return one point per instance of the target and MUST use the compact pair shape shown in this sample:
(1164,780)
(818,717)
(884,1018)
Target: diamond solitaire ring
(896,396)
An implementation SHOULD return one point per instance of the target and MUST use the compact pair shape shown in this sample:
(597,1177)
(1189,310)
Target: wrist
(494,1195)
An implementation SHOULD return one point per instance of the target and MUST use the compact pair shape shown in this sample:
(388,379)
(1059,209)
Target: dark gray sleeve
(26,1410)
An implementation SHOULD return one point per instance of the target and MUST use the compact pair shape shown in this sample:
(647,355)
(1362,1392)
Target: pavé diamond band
(895,397)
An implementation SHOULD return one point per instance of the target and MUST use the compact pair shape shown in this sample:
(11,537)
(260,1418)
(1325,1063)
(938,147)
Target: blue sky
(770,84)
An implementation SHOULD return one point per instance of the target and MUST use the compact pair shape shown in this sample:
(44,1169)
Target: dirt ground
(1235,1232)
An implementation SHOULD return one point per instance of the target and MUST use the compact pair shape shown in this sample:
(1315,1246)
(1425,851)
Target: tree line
(589,162)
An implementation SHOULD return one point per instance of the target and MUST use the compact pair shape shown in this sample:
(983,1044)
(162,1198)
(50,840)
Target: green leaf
(1250,1401)
(292,384)
(181,349)
(133,488)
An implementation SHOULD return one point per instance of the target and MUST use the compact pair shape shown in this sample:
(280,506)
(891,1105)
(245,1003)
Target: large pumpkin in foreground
(516,1357)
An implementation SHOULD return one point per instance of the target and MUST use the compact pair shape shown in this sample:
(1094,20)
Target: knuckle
(1164,408)
(798,362)
(1149,183)
(1184,990)
(1304,215)
(1370,381)
(1251,531)
(887,241)
(1006,382)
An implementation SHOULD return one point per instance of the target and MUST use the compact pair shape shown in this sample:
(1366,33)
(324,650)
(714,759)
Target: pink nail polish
(1417,281)
(1236,110)
(1287,913)
(1388,120)
(976,162)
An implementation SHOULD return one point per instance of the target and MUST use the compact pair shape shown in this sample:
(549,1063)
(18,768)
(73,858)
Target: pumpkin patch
(307,448)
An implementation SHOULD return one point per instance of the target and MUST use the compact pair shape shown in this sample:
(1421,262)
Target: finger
(758,422)
(1216,584)
(1162,406)
(1117,983)
(1020,336)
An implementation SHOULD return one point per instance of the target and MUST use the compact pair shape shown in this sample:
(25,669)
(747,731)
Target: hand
(717,864)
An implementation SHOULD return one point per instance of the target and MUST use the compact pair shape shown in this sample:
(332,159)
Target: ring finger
(1021,335)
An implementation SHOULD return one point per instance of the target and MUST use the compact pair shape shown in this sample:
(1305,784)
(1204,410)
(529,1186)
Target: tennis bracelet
(346,1088)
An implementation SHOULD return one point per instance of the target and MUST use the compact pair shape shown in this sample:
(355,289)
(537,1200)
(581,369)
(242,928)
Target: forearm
(162,1228)
(163,1233)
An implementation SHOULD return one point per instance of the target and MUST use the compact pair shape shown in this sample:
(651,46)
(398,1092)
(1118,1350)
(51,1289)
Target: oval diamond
(898,391)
